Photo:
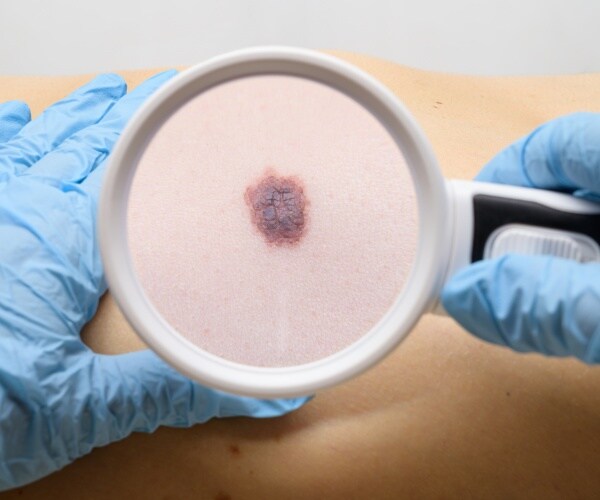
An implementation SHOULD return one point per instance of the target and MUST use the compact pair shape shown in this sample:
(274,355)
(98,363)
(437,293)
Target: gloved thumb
(530,303)
(139,392)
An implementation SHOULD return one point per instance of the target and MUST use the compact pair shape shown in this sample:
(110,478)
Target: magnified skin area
(444,416)
(251,220)
(278,209)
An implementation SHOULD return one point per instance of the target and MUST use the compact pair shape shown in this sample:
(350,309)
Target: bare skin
(445,415)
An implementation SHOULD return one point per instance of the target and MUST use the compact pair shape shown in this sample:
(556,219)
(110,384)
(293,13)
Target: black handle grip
(491,212)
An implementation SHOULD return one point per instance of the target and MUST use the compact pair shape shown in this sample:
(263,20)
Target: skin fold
(444,416)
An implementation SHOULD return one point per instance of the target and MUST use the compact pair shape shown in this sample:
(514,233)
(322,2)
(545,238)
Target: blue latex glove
(58,400)
(530,303)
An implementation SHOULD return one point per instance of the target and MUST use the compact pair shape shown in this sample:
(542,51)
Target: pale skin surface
(444,416)
(208,270)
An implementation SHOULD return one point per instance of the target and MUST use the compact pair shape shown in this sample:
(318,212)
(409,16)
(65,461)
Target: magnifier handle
(490,220)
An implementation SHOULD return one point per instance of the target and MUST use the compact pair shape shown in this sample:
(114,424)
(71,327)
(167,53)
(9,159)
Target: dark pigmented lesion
(234,450)
(278,208)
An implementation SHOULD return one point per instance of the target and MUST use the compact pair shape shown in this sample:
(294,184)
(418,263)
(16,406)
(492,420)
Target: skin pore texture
(233,280)
(444,416)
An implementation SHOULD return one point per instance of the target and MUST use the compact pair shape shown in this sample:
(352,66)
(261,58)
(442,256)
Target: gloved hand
(538,303)
(58,400)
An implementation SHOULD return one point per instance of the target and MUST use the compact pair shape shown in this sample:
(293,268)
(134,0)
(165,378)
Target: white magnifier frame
(420,290)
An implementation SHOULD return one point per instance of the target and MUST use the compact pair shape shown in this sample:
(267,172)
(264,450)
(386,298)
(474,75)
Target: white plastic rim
(417,296)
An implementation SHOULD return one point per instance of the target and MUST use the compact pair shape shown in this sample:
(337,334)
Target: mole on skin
(278,208)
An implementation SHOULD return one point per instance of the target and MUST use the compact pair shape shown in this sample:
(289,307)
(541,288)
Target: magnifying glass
(273,222)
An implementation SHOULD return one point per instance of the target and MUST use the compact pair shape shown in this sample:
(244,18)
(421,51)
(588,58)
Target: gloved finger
(80,109)
(563,154)
(140,392)
(13,116)
(81,153)
(530,303)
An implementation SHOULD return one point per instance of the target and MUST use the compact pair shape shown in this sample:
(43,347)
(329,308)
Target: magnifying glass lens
(272,221)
